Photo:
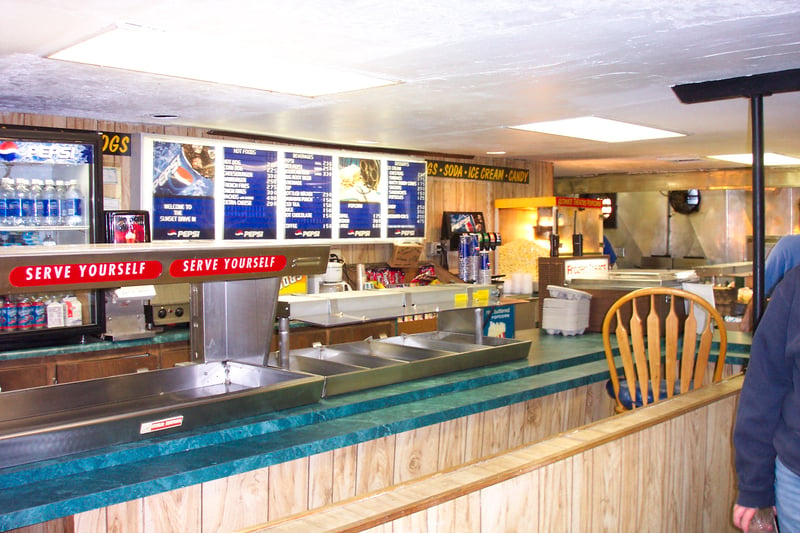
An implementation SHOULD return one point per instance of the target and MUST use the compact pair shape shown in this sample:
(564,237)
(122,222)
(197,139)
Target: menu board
(250,181)
(183,191)
(230,190)
(359,198)
(309,195)
(406,199)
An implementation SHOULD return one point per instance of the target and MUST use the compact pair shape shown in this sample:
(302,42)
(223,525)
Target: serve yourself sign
(138,271)
(104,266)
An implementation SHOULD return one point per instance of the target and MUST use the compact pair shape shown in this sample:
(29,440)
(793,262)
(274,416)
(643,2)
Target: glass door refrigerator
(50,195)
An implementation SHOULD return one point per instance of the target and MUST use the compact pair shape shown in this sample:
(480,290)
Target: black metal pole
(757,118)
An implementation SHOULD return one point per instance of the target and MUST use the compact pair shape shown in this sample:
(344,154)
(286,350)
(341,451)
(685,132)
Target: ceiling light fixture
(770,159)
(496,153)
(142,49)
(598,129)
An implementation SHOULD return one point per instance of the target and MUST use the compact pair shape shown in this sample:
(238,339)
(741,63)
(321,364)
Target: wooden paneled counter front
(248,472)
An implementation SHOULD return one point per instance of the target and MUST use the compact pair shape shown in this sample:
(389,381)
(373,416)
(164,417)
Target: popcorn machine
(547,226)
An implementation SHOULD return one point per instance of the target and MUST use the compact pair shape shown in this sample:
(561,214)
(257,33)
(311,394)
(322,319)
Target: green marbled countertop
(55,488)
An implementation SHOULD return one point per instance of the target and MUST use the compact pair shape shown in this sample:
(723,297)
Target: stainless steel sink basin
(52,421)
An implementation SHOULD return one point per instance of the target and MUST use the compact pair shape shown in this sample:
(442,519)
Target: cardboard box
(405,254)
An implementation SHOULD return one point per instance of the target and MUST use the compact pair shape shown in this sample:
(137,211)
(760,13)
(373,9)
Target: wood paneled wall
(442,194)
(278,491)
(665,468)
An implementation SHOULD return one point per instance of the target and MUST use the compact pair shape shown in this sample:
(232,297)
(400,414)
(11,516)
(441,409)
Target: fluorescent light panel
(770,159)
(136,48)
(598,129)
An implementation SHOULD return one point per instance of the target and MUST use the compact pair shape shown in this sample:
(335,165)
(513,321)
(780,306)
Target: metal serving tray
(52,421)
(354,366)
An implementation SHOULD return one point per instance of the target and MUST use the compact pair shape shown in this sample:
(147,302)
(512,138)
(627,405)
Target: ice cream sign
(84,273)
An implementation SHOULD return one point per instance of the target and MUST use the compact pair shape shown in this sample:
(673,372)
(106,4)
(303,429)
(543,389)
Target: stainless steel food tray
(354,366)
(57,420)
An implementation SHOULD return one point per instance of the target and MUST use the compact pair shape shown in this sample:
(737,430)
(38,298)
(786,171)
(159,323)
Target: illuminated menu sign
(183,191)
(251,193)
(406,200)
(359,198)
(309,199)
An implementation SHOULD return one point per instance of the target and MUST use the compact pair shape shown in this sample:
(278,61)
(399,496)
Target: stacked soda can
(19,313)
(474,258)
(465,249)
(485,272)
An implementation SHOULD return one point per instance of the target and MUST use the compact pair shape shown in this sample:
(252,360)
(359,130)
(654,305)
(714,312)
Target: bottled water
(62,203)
(51,204)
(22,215)
(6,201)
(37,203)
(73,214)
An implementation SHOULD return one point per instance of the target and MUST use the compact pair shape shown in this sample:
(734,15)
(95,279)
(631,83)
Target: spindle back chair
(684,360)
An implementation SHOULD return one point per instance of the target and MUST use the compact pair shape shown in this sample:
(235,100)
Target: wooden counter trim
(403,500)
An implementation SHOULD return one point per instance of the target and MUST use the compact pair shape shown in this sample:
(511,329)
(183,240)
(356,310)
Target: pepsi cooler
(50,195)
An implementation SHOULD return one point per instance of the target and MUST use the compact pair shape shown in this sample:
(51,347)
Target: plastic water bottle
(6,201)
(62,203)
(763,520)
(22,216)
(37,203)
(51,204)
(73,214)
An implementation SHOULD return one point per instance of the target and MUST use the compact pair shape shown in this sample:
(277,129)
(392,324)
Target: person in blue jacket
(609,251)
(766,436)
(784,256)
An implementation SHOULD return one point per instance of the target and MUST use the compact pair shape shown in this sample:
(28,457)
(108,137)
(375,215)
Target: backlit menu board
(309,195)
(183,191)
(250,179)
(406,202)
(231,190)
(359,198)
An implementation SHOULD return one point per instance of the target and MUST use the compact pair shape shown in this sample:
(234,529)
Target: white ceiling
(468,69)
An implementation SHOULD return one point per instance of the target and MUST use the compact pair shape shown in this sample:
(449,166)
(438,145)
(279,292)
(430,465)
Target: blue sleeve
(767,382)
(784,256)
(775,266)
(609,251)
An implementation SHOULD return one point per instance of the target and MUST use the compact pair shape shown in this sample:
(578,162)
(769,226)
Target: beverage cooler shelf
(43,227)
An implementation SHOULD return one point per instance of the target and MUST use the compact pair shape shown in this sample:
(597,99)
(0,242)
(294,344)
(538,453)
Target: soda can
(485,271)
(464,252)
(474,258)
(39,308)
(484,260)
(24,313)
(9,314)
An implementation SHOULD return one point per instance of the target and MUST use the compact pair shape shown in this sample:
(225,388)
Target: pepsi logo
(9,151)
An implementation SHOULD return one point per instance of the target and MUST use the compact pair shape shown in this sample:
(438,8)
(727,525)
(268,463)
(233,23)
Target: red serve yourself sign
(83,273)
(224,266)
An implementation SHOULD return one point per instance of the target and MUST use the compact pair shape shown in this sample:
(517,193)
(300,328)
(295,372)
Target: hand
(742,516)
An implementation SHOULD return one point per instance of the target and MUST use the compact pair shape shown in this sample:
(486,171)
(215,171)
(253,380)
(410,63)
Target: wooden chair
(642,366)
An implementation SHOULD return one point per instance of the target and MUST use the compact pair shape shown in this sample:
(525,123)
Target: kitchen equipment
(339,286)
(169,305)
(333,274)
(125,313)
